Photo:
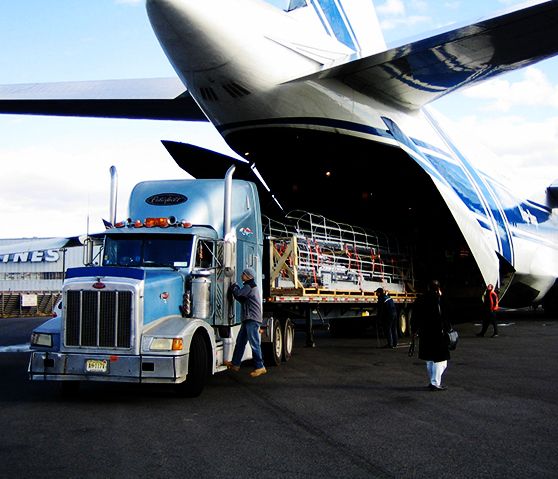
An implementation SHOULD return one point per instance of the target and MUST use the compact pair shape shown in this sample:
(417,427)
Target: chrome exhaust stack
(113,195)
(228,236)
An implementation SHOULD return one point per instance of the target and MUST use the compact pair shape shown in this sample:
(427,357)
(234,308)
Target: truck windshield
(148,250)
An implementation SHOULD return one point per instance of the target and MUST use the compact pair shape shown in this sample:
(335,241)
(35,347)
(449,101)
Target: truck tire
(402,322)
(409,314)
(273,351)
(288,340)
(198,369)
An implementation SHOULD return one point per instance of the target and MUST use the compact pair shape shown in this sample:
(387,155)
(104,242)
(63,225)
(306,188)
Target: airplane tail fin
(353,23)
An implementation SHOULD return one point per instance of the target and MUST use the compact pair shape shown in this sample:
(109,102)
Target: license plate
(99,366)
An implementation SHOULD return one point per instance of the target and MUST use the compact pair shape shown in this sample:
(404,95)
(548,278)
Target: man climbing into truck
(250,298)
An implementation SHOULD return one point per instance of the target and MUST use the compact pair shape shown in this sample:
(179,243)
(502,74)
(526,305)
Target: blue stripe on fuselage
(471,196)
(337,21)
(501,230)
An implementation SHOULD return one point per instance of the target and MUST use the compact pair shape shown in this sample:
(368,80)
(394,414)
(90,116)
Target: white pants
(435,371)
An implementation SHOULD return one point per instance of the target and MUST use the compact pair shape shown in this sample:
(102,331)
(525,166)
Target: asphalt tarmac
(345,409)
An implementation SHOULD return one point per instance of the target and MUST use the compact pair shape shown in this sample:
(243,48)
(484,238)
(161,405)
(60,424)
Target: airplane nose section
(188,31)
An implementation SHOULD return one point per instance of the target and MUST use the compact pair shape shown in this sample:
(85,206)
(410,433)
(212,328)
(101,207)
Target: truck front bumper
(45,366)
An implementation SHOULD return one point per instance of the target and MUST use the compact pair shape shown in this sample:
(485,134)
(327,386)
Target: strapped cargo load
(311,255)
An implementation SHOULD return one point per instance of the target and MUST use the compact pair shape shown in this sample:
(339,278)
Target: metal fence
(15,304)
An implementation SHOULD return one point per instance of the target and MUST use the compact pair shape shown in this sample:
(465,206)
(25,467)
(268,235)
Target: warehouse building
(31,282)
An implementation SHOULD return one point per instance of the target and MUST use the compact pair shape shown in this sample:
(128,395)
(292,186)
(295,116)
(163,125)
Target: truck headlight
(41,339)
(166,344)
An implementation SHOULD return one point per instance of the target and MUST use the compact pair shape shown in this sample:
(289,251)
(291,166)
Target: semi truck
(154,305)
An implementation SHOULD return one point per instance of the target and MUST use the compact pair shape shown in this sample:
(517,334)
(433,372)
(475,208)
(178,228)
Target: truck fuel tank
(201,296)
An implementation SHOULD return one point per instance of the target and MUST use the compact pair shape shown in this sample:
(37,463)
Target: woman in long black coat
(430,324)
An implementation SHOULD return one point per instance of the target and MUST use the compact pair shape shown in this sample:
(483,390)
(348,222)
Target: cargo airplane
(341,125)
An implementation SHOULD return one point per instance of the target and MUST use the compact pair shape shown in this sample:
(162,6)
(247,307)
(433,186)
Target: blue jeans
(390,329)
(249,332)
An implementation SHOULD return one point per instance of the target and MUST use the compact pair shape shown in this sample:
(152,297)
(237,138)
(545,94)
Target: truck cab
(157,308)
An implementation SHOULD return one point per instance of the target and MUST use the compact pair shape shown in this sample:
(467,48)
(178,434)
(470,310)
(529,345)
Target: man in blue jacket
(249,296)
(387,316)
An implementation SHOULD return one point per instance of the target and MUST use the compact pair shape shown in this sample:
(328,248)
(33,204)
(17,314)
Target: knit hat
(249,272)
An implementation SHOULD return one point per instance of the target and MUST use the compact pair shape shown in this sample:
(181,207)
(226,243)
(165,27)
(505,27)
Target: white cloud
(51,187)
(519,152)
(393,14)
(454,5)
(420,5)
(533,90)
(391,7)
(392,23)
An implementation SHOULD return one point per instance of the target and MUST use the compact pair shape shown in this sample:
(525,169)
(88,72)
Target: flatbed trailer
(327,273)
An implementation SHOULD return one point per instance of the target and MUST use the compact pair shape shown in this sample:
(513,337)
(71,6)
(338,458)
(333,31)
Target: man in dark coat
(387,316)
(430,325)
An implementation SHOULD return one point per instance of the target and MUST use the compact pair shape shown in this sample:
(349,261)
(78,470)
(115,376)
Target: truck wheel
(408,320)
(403,325)
(197,369)
(273,351)
(288,339)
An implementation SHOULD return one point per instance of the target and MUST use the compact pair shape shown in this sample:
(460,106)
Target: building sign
(28,300)
(47,256)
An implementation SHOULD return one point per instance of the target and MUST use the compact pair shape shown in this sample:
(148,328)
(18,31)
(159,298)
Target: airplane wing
(148,99)
(418,73)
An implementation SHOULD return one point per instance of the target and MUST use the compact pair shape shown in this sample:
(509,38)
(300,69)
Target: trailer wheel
(198,369)
(403,322)
(288,339)
(273,350)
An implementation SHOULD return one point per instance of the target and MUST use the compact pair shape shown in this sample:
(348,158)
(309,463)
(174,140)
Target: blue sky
(55,170)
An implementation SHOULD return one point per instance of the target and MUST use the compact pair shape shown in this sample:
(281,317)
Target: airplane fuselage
(246,72)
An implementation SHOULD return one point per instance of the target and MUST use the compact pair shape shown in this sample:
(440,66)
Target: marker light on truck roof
(160,222)
(154,222)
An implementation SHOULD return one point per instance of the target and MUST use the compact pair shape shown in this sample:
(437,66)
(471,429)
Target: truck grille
(99,318)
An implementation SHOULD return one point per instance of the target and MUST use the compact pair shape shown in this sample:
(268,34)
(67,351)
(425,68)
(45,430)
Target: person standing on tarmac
(387,316)
(249,296)
(430,324)
(490,306)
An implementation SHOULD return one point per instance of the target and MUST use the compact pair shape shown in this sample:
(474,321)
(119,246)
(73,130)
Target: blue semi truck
(156,307)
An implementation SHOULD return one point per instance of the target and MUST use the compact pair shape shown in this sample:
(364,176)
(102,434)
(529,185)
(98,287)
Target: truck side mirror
(88,251)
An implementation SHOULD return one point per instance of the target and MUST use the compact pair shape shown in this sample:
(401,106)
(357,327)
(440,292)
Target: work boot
(258,372)
(231,366)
